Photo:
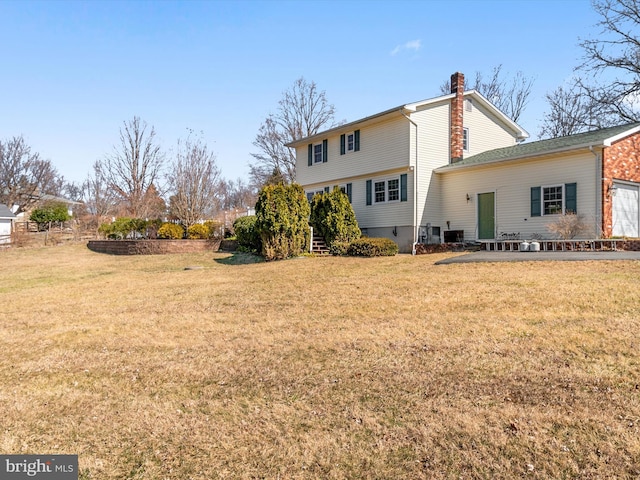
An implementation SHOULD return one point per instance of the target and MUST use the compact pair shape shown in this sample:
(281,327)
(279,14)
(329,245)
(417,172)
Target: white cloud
(414,45)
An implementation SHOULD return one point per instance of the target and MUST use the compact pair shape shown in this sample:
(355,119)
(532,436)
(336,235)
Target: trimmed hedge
(372,247)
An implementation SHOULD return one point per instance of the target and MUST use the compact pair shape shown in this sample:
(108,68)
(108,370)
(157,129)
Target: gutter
(457,166)
(415,188)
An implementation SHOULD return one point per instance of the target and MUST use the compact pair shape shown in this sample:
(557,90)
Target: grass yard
(328,368)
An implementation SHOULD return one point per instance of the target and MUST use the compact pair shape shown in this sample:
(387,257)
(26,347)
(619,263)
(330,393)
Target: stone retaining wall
(629,245)
(152,247)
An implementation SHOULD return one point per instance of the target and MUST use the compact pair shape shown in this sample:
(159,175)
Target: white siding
(433,152)
(485,131)
(512,186)
(383,146)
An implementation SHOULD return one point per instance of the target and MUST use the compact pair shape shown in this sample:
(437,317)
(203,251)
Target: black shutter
(571,198)
(535,202)
(342,143)
(368,192)
(310,154)
(325,151)
(403,187)
(349,192)
(356,140)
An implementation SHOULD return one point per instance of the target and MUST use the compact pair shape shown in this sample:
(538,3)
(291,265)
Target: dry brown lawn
(382,368)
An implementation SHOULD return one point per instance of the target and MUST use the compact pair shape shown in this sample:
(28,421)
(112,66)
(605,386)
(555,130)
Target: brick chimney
(457,108)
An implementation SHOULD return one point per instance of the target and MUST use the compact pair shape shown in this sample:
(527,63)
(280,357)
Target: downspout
(415,190)
(599,194)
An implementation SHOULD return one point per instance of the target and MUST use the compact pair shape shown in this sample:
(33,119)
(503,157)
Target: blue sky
(72,72)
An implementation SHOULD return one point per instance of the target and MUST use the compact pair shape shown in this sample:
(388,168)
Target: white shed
(6,224)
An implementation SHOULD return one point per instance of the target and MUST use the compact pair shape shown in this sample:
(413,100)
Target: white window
(351,141)
(393,187)
(312,193)
(387,190)
(380,192)
(465,139)
(552,200)
(317,153)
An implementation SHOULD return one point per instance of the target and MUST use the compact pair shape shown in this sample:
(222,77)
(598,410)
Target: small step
(319,246)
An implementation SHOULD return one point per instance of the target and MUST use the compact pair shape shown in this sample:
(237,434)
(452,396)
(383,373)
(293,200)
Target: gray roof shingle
(5,212)
(542,147)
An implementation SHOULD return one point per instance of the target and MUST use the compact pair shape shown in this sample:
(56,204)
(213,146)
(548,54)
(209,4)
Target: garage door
(626,211)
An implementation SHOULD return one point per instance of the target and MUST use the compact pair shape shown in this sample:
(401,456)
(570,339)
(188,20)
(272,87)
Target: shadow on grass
(239,258)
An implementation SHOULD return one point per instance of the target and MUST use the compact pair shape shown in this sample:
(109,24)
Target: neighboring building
(6,224)
(453,168)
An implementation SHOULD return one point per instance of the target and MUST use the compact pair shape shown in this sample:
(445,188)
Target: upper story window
(317,153)
(350,142)
(465,139)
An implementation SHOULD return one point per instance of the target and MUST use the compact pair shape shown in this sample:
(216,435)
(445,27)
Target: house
(6,224)
(455,168)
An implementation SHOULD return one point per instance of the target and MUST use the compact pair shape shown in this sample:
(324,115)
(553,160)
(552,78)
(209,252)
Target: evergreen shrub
(282,219)
(332,216)
(247,234)
(372,247)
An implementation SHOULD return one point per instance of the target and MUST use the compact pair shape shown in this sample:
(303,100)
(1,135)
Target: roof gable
(5,212)
(408,109)
(603,137)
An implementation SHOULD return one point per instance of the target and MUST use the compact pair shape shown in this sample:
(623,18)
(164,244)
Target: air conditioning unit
(429,235)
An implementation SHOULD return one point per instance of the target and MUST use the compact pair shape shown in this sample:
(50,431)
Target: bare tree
(570,112)
(302,111)
(24,176)
(194,180)
(133,166)
(237,194)
(613,60)
(509,95)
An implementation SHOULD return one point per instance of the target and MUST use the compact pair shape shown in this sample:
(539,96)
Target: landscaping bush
(332,216)
(124,227)
(372,247)
(282,219)
(568,225)
(198,231)
(49,214)
(171,231)
(339,248)
(247,234)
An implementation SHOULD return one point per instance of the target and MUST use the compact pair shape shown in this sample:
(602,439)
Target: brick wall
(457,112)
(152,247)
(620,161)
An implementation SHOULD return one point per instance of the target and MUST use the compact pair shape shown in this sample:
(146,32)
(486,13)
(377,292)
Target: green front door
(486,216)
